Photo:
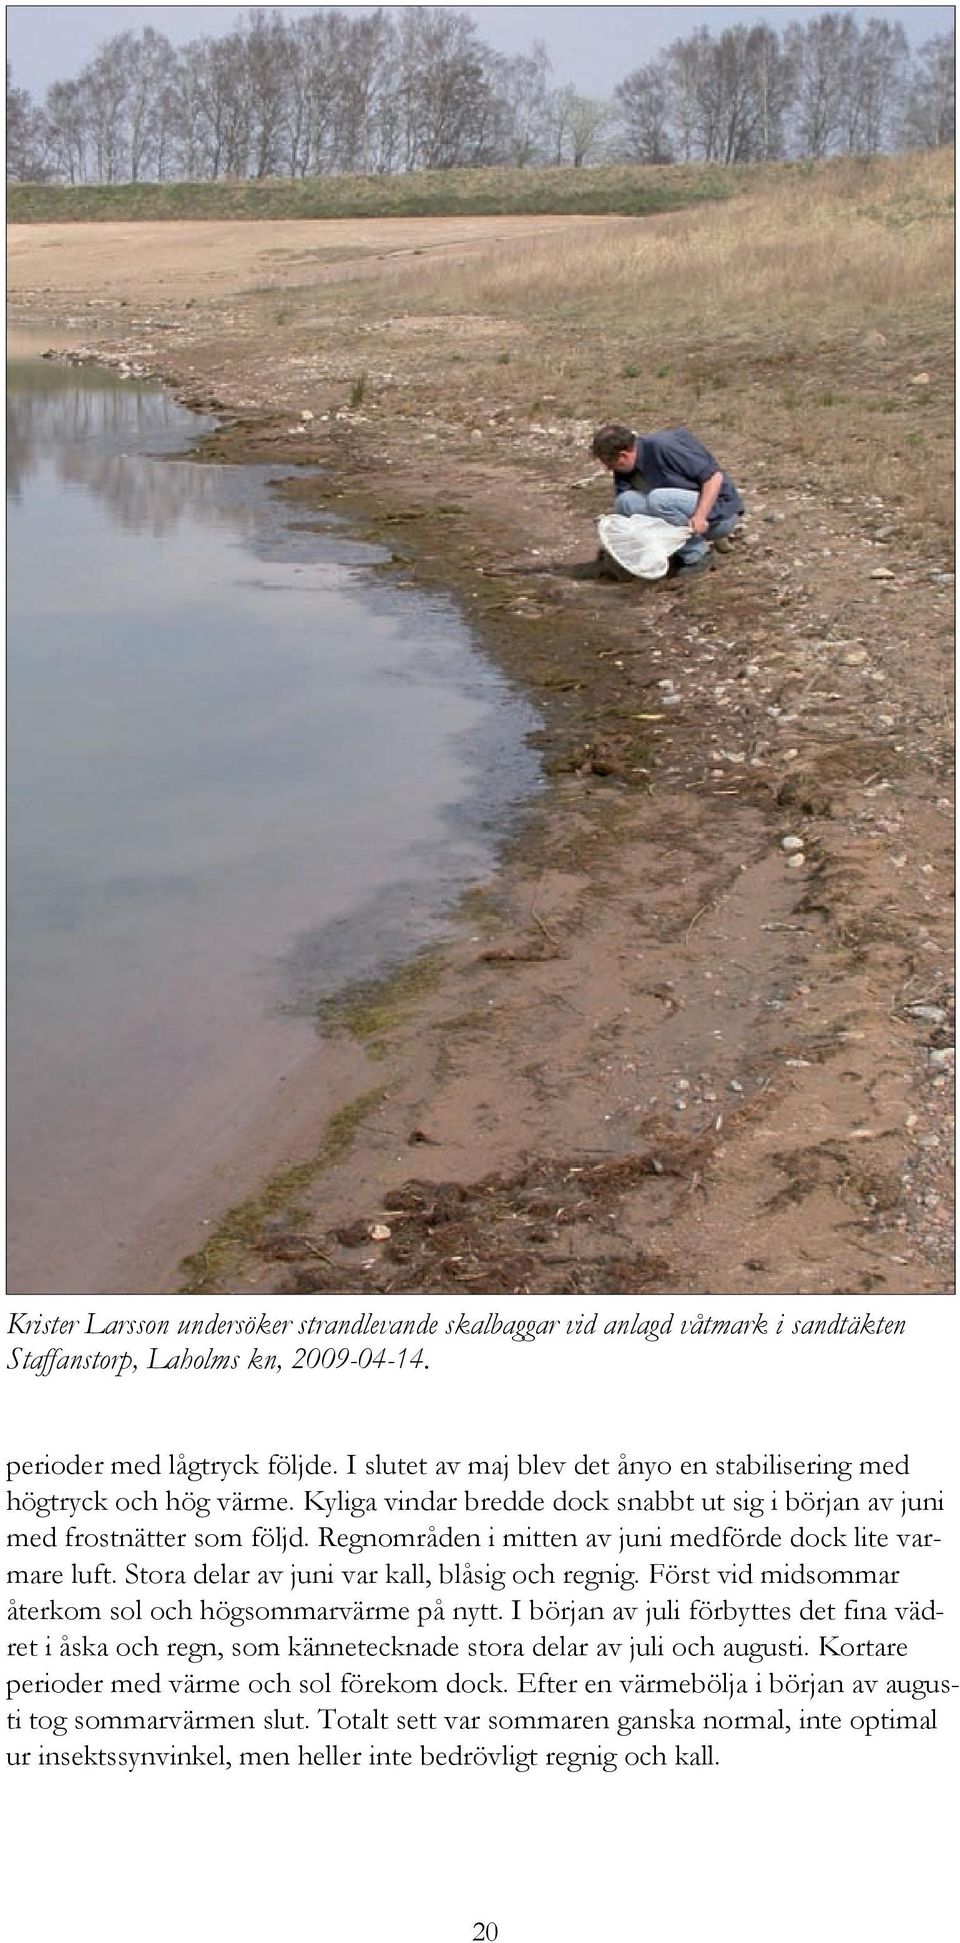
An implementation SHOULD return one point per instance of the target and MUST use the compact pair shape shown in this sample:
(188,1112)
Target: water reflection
(91,430)
(238,770)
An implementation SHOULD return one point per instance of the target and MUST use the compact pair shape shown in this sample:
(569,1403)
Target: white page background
(824,1836)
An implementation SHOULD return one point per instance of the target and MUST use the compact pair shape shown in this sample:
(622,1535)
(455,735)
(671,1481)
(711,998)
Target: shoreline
(569,1106)
(298,1119)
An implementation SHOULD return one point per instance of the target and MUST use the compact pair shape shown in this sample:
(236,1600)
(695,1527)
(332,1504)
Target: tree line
(388,93)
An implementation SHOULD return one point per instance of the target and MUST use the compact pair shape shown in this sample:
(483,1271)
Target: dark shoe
(685,569)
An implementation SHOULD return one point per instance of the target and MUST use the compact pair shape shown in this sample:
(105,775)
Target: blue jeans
(676,504)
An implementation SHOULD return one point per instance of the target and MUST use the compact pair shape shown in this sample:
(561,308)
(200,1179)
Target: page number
(485,1933)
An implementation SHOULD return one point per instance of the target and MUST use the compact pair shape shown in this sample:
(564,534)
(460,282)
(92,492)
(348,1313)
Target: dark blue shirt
(676,458)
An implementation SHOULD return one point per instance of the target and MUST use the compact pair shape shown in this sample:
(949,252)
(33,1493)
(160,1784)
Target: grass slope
(447,192)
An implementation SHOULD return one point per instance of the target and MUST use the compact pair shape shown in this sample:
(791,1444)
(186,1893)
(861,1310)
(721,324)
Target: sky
(592,46)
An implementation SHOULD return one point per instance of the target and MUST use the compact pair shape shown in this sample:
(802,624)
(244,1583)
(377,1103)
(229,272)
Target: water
(242,768)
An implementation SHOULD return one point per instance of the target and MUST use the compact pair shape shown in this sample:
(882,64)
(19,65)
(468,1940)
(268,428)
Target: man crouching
(671,476)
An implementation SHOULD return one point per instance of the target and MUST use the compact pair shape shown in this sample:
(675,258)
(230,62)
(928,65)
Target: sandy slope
(657,1058)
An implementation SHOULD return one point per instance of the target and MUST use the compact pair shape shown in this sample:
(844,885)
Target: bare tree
(882,68)
(642,103)
(297,87)
(683,74)
(382,103)
(519,88)
(719,100)
(64,131)
(823,52)
(578,125)
(188,115)
(23,160)
(366,122)
(726,98)
(367,91)
(930,116)
(265,73)
(166,119)
(773,83)
(150,63)
(442,88)
(335,68)
(233,82)
(104,83)
(219,107)
(323,51)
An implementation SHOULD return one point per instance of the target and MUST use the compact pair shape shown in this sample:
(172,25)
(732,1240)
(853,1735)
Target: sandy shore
(655,1058)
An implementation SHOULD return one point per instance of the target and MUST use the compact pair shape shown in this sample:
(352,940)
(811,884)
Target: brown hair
(610,441)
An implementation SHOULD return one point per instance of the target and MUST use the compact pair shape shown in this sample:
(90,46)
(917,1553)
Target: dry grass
(787,321)
(793,318)
(811,247)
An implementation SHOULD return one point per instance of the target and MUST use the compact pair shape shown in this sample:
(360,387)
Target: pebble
(791,843)
(930,1014)
(883,573)
(942,1056)
(797,862)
